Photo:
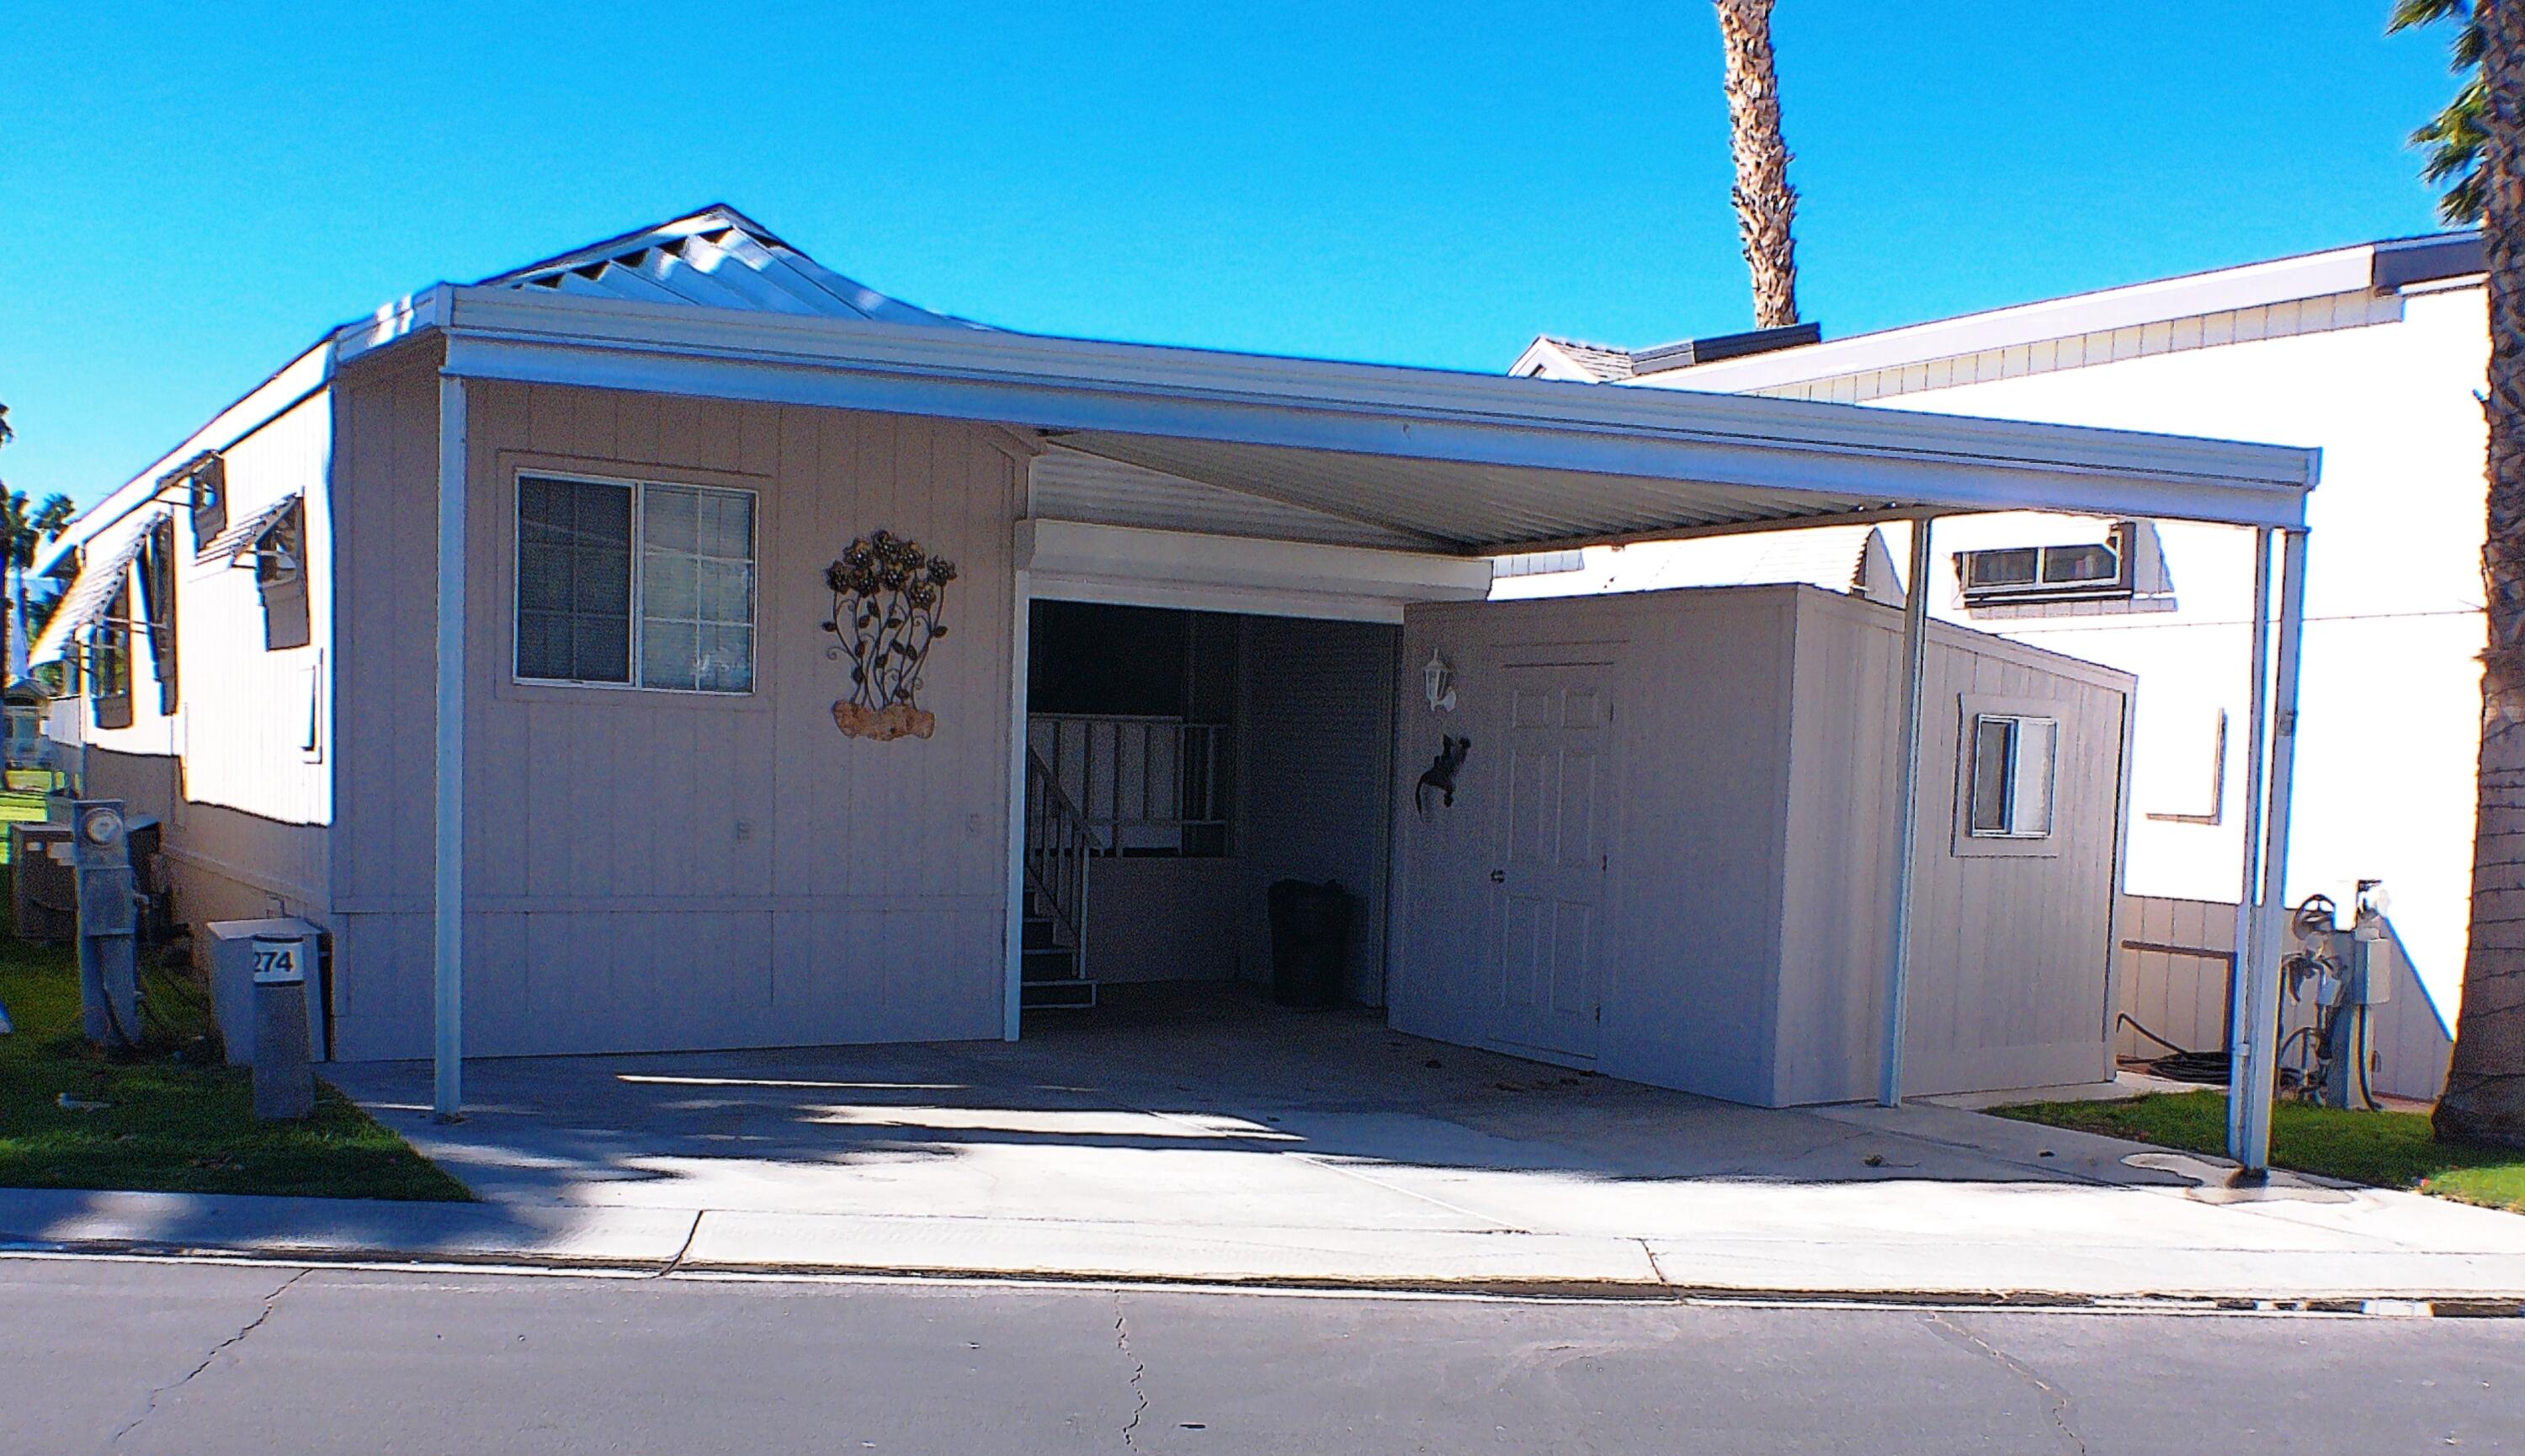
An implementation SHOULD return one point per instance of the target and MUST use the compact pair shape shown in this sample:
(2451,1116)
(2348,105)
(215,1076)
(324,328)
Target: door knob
(1499,877)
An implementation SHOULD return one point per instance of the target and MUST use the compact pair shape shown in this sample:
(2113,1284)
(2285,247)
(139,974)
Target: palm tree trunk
(1766,204)
(2485,1094)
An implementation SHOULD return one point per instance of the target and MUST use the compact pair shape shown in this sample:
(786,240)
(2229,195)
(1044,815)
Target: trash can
(1309,942)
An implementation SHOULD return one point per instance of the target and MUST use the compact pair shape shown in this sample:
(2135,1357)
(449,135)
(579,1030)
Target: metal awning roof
(1468,463)
(714,306)
(240,536)
(107,567)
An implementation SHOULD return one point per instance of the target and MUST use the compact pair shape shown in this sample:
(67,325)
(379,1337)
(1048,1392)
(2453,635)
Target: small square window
(2012,760)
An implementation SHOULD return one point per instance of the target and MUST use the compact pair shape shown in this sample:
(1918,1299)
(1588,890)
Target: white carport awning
(1471,463)
(108,565)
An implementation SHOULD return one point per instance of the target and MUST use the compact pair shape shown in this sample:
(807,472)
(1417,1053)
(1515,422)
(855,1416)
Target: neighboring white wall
(2390,706)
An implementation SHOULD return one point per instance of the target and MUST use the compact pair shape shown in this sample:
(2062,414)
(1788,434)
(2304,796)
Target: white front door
(1554,840)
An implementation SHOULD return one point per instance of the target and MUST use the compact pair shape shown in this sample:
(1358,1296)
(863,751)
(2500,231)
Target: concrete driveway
(1199,1133)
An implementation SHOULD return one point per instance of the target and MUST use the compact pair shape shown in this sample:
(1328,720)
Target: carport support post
(1021,657)
(2262,1006)
(1907,811)
(2257,723)
(447,871)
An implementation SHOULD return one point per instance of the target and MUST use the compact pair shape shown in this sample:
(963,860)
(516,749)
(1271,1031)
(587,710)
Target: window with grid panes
(589,550)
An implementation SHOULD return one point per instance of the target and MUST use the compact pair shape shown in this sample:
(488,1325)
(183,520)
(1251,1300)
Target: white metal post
(2261,1043)
(1907,811)
(2257,729)
(1021,649)
(447,880)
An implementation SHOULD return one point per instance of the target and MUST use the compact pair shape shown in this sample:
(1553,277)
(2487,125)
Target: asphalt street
(208,1359)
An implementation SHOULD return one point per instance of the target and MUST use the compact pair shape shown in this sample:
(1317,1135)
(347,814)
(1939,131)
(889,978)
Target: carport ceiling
(1475,507)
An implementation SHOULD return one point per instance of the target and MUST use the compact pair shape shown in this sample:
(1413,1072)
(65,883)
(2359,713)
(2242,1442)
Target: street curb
(2401,1305)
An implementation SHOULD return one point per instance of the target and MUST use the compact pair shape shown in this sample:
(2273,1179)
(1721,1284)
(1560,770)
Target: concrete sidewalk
(1234,1145)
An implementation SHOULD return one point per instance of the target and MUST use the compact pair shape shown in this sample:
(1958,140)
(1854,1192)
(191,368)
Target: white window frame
(2121,584)
(639,488)
(2012,842)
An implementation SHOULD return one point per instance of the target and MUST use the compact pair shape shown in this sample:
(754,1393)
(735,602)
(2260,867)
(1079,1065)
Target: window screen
(696,588)
(2016,566)
(2080,564)
(281,576)
(574,580)
(158,606)
(109,684)
(588,550)
(2012,775)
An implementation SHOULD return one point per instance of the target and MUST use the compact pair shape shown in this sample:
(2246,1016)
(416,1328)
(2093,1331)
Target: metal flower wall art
(887,596)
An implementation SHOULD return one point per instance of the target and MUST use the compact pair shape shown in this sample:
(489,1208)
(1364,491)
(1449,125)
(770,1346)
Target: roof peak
(713,257)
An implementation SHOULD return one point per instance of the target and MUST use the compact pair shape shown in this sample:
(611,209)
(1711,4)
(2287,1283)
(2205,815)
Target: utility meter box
(45,888)
(234,946)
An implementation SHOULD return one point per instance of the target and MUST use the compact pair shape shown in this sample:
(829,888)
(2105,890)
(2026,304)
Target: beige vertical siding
(1756,729)
(2011,953)
(1701,715)
(669,869)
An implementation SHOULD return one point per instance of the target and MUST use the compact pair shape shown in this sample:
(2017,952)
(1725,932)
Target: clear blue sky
(195,191)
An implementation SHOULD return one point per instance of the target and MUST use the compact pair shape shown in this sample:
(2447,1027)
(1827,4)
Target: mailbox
(242,951)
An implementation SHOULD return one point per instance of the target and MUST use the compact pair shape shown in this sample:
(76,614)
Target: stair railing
(1059,844)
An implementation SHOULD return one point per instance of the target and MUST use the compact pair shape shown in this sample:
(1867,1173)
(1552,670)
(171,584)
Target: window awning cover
(240,535)
(108,566)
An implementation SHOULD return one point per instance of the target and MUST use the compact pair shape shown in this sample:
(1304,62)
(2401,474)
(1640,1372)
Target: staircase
(1059,845)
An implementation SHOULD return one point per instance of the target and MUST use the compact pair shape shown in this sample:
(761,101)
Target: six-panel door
(1553,825)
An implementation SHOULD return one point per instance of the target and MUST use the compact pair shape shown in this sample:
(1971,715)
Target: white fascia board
(283,391)
(1313,606)
(275,397)
(1911,459)
(2255,285)
(1188,569)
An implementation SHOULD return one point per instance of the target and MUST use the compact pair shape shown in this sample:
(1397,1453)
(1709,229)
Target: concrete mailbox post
(284,1085)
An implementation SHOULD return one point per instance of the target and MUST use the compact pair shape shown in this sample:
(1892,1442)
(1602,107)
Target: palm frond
(2453,139)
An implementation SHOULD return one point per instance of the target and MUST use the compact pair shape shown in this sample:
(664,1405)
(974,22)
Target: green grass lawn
(171,1119)
(23,798)
(2383,1149)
